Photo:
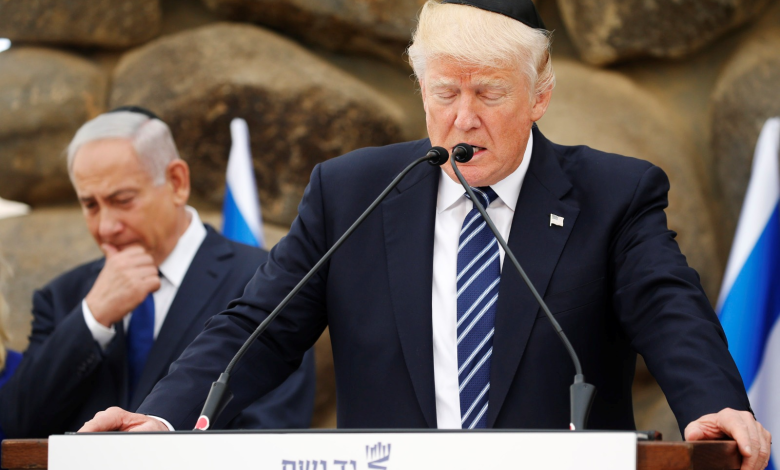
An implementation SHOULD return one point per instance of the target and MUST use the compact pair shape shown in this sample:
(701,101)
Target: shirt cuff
(166,423)
(100,333)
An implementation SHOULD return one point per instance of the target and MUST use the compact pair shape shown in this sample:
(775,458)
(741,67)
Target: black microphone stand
(581,393)
(220,394)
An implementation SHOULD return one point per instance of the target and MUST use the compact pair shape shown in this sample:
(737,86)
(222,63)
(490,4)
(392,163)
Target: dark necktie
(479,273)
(140,338)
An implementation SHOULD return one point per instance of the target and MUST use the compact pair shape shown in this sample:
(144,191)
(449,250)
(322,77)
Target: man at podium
(429,325)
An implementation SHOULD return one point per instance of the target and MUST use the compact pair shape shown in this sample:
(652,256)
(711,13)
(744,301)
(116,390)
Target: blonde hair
(5,272)
(475,37)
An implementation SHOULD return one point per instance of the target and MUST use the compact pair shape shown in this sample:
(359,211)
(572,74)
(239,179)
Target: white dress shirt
(452,206)
(172,269)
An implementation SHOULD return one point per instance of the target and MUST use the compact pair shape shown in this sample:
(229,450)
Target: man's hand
(752,439)
(117,419)
(124,282)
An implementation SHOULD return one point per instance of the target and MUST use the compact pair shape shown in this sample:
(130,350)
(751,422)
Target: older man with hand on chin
(104,333)
(429,327)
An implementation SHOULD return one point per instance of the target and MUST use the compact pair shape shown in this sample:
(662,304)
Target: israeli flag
(749,303)
(241,217)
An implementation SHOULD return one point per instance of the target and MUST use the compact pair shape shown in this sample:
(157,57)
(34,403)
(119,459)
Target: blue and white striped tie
(479,273)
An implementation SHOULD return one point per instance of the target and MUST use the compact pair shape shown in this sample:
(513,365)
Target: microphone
(219,395)
(581,393)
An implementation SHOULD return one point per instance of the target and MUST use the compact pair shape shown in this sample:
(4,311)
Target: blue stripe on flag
(753,303)
(234,226)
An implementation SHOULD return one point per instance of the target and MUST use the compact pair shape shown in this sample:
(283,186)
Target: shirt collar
(508,189)
(178,262)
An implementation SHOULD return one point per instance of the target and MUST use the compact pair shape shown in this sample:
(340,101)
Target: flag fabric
(749,303)
(241,217)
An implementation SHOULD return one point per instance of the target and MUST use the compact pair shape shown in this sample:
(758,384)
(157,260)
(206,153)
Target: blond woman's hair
(474,37)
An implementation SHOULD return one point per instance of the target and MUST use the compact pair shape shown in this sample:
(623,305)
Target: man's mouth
(475,148)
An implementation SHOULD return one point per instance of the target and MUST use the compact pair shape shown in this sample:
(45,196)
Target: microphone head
(437,156)
(462,153)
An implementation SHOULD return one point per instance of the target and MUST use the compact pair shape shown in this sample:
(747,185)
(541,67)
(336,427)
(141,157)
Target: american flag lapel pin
(556,220)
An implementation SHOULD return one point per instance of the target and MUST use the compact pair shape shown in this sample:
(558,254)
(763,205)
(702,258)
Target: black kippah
(136,109)
(523,11)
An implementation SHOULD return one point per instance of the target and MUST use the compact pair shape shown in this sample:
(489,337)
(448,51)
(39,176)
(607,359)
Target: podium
(34,453)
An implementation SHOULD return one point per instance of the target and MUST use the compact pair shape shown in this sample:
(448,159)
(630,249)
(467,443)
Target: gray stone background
(686,84)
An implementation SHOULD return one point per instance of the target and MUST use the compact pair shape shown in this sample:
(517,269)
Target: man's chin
(473,176)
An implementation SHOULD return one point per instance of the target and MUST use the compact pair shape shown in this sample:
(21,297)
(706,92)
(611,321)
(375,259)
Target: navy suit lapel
(409,219)
(204,276)
(537,246)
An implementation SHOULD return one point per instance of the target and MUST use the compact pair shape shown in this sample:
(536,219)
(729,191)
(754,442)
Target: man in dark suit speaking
(104,333)
(429,326)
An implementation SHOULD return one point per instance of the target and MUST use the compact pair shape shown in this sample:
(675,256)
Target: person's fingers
(149,425)
(742,427)
(754,442)
(117,419)
(108,420)
(694,432)
(765,449)
(150,281)
(108,249)
(705,427)
(136,256)
(145,272)
(746,442)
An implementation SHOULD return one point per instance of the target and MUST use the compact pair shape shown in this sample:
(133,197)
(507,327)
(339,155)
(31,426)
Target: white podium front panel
(345,450)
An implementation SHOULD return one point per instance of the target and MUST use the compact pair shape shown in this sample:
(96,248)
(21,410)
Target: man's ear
(541,104)
(177,174)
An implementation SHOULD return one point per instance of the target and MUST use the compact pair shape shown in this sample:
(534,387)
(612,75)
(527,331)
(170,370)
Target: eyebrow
(113,195)
(441,83)
(492,83)
(119,192)
(486,82)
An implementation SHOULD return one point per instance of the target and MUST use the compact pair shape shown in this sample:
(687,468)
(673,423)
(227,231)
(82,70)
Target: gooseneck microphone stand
(581,393)
(220,394)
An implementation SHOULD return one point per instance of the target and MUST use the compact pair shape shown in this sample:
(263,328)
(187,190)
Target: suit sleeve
(179,396)
(662,307)
(55,375)
(288,406)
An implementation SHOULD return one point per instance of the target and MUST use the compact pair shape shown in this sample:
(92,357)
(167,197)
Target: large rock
(378,27)
(300,110)
(45,96)
(606,111)
(105,23)
(50,241)
(746,94)
(606,31)
(38,247)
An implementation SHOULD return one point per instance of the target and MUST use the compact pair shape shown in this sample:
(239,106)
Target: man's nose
(110,225)
(467,118)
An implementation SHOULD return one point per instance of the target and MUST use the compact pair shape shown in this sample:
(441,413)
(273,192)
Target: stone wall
(685,84)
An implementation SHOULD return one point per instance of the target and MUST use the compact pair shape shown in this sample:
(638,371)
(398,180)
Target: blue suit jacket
(612,275)
(64,377)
